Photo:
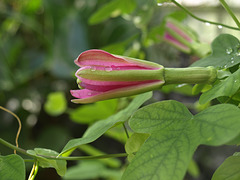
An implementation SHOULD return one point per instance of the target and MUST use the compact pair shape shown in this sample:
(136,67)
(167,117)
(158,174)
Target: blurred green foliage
(39,41)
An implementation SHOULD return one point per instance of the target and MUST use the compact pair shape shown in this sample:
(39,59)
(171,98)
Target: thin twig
(19,123)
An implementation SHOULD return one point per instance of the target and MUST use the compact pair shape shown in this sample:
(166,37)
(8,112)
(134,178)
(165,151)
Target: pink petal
(99,58)
(112,85)
(179,31)
(174,41)
(83,93)
(120,92)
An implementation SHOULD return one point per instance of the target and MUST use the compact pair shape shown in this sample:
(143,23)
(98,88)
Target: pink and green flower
(104,76)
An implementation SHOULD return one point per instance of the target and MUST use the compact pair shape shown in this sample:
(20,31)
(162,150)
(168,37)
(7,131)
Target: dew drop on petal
(108,69)
(229,50)
(93,68)
(89,94)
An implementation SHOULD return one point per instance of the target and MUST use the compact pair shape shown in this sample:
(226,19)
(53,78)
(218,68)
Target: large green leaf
(227,87)
(174,136)
(229,169)
(12,167)
(100,127)
(225,53)
(59,165)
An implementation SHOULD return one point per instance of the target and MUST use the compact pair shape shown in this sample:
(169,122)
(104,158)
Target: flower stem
(191,75)
(225,5)
(203,20)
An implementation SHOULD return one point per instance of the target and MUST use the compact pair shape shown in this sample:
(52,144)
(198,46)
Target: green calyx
(190,75)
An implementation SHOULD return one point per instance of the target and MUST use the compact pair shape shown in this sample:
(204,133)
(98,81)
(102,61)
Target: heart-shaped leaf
(174,136)
(225,53)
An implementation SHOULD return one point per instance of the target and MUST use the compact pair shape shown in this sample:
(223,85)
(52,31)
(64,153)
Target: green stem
(225,5)
(61,158)
(191,75)
(203,20)
(5,143)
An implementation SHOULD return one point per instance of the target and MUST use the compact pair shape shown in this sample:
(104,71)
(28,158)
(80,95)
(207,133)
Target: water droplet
(93,68)
(89,94)
(237,54)
(159,4)
(232,62)
(235,81)
(229,50)
(207,24)
(225,66)
(232,58)
(220,27)
(108,69)
(118,68)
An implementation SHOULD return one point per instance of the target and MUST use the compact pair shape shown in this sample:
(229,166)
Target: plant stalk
(227,8)
(190,75)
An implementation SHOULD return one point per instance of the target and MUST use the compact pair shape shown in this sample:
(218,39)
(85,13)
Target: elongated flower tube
(104,76)
(183,38)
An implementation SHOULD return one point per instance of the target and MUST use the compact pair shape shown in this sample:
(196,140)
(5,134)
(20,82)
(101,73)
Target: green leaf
(226,87)
(91,170)
(100,127)
(134,143)
(225,53)
(229,169)
(112,9)
(59,165)
(101,109)
(56,103)
(175,135)
(12,167)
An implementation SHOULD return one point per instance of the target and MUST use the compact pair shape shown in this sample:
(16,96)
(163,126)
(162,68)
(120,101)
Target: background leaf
(112,9)
(175,135)
(100,127)
(91,170)
(101,109)
(225,53)
(12,167)
(229,169)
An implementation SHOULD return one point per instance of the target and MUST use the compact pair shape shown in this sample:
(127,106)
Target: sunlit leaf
(12,167)
(56,103)
(174,136)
